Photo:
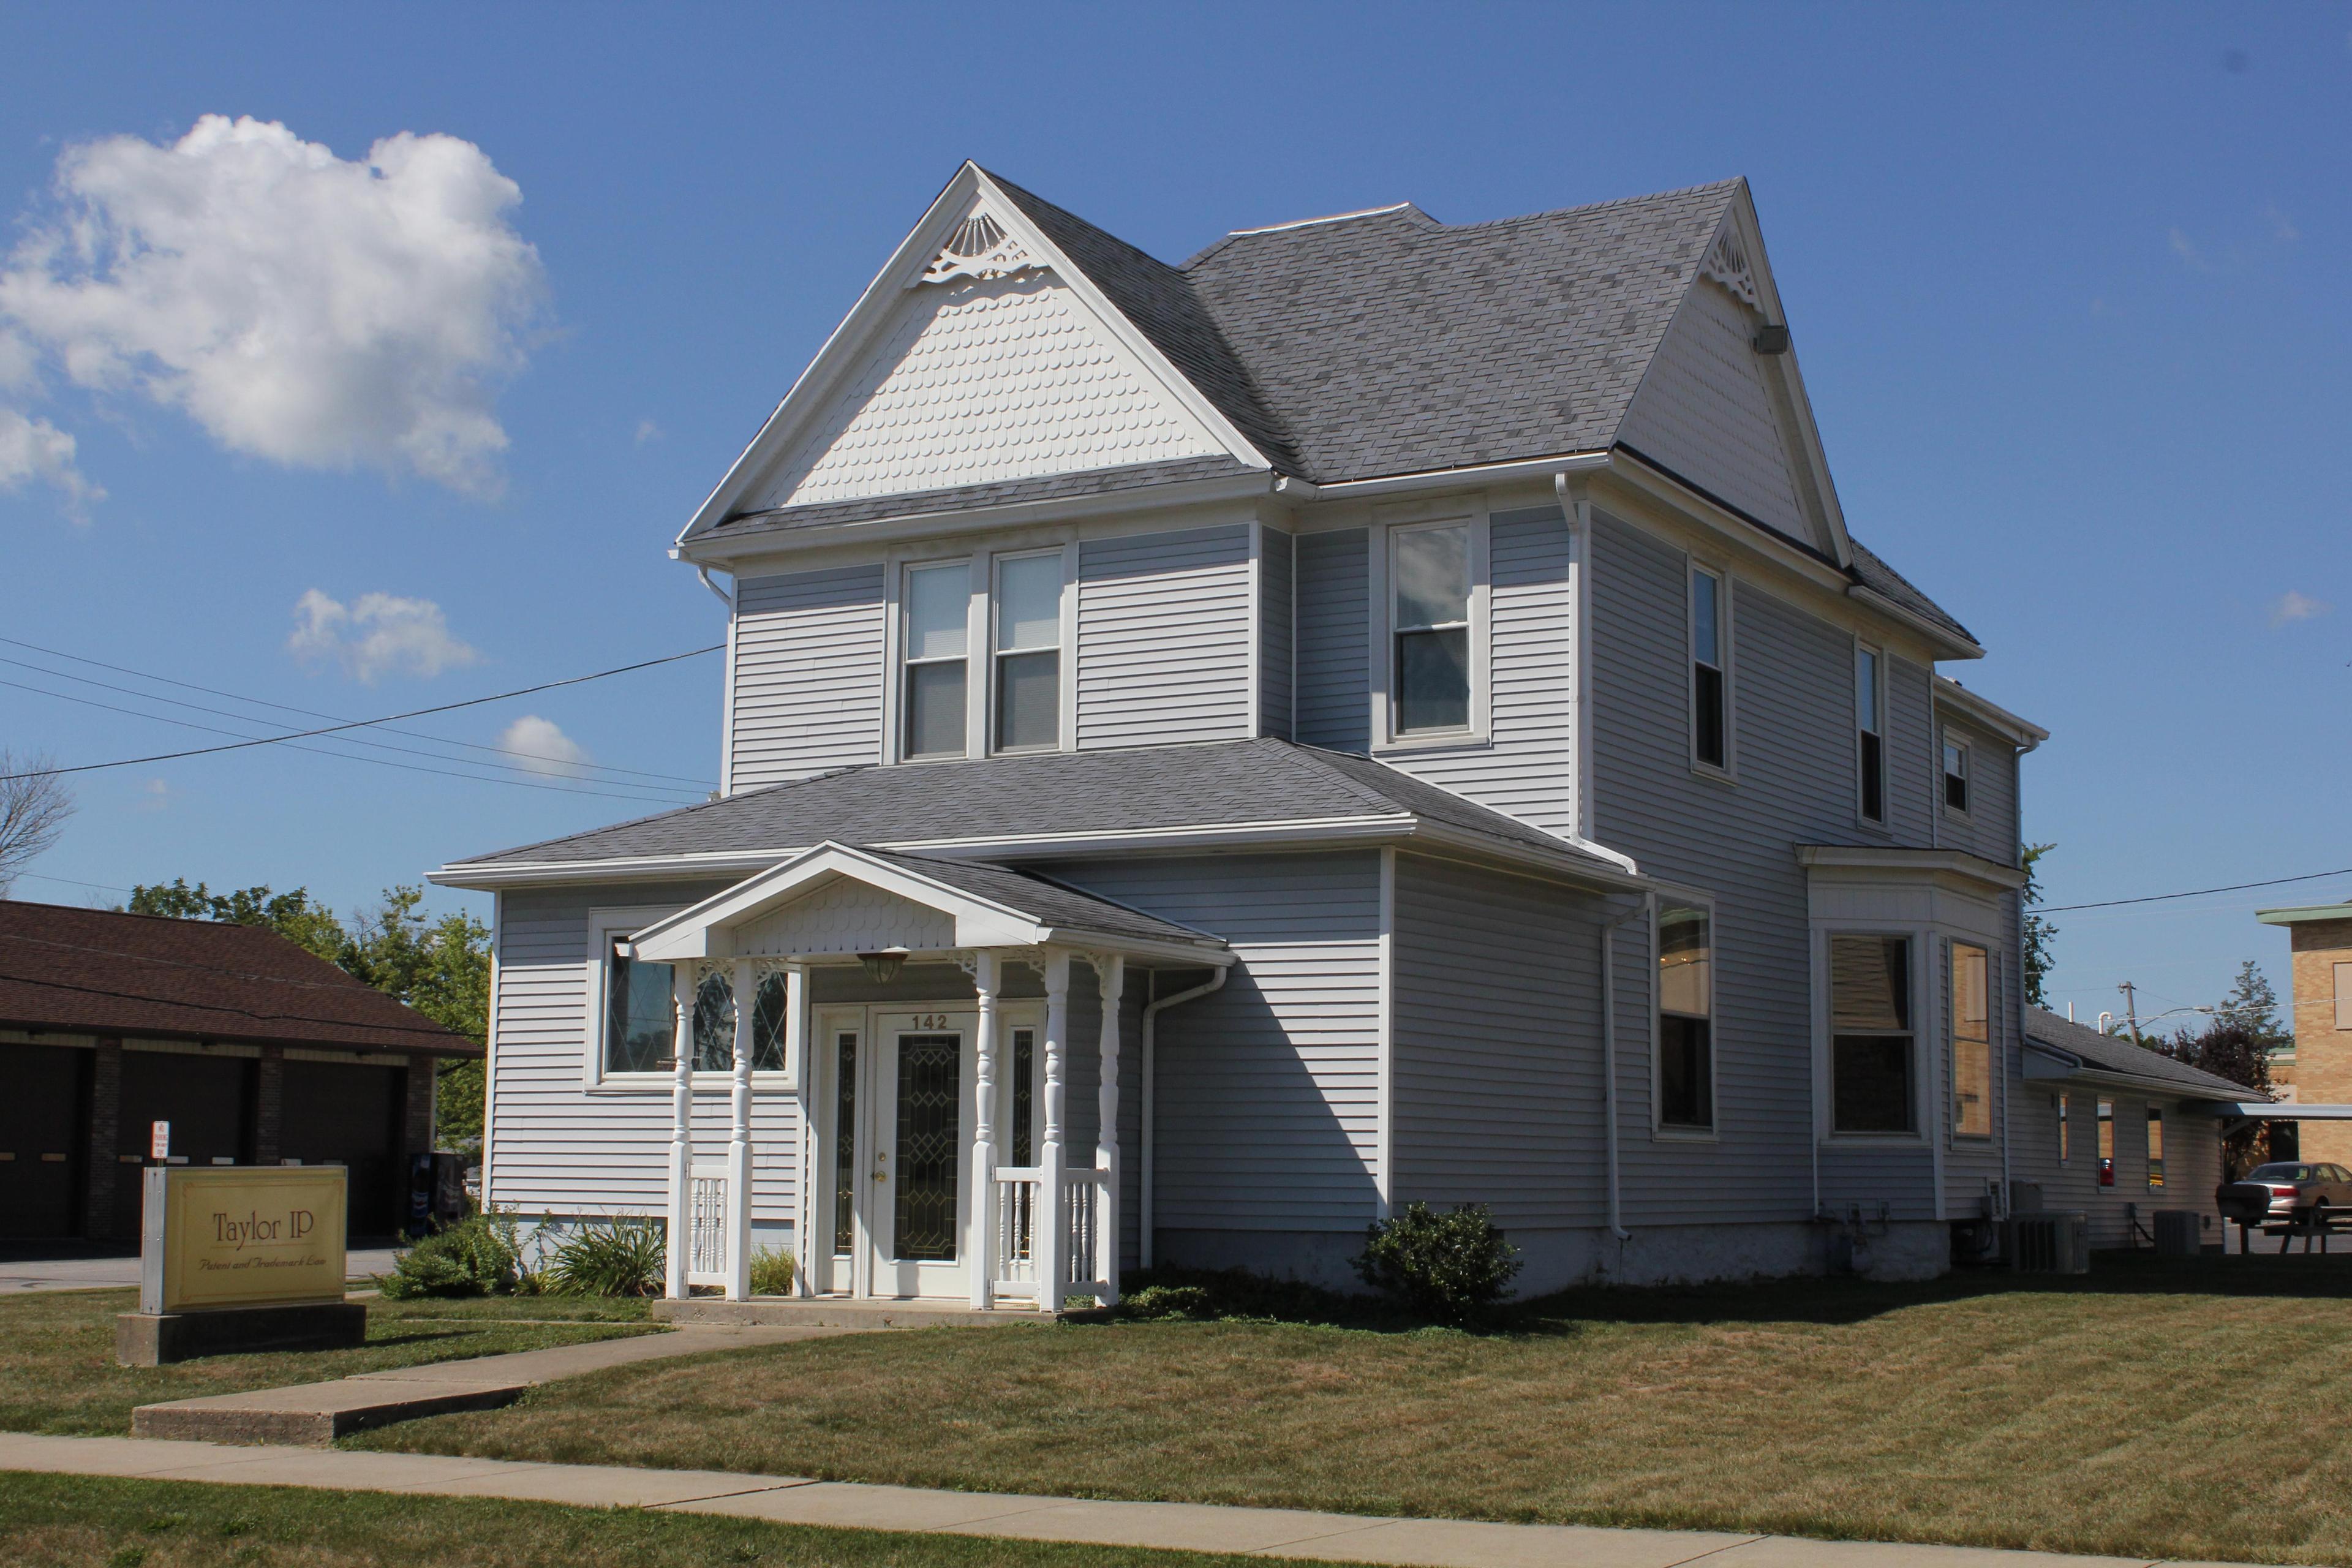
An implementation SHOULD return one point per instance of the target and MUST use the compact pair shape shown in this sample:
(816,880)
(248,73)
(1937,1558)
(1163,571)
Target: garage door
(208,1101)
(44,1131)
(351,1114)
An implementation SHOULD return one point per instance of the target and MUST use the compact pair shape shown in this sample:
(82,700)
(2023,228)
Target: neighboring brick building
(2320,1072)
(254,1050)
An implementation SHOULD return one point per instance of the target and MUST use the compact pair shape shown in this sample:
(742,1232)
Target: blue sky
(2069,288)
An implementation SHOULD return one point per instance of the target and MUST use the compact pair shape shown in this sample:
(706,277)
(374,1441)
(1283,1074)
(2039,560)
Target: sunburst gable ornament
(980,249)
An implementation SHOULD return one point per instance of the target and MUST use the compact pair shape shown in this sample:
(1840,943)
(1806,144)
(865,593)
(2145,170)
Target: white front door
(915,1147)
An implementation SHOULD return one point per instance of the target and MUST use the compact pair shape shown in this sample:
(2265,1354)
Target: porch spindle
(681,1134)
(746,981)
(1111,971)
(801,1063)
(1053,1229)
(982,1267)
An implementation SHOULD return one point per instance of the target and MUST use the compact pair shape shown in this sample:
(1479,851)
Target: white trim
(1893,864)
(1256,579)
(490,1046)
(1923,1076)
(1661,1130)
(1726,666)
(605,924)
(1576,503)
(901,569)
(2023,734)
(727,698)
(1385,1134)
(1468,476)
(1388,522)
(1065,651)
(1946,744)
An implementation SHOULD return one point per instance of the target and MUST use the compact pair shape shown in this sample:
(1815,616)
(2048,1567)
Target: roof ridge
(1414,210)
(1315,755)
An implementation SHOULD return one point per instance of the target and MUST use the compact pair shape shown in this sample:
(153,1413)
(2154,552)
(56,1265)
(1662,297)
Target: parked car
(2285,1191)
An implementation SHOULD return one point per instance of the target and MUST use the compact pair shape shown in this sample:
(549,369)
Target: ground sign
(241,1237)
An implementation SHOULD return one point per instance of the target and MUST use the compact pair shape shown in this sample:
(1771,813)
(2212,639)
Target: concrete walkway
(784,1499)
(316,1414)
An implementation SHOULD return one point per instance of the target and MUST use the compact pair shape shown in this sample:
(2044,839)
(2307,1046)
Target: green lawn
(81,1521)
(58,1372)
(2195,1410)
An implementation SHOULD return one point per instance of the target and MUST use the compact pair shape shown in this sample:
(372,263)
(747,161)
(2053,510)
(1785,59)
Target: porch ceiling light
(883,967)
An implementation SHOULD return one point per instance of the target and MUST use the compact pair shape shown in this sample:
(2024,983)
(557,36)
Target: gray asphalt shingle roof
(997,492)
(1205,784)
(2105,1053)
(1043,900)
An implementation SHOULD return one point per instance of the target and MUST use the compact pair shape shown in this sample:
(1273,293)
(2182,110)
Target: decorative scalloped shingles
(998,380)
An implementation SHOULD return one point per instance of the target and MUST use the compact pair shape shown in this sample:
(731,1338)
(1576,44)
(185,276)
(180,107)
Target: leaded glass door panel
(917,1205)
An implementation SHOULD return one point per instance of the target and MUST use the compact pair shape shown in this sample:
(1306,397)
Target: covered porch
(923,1017)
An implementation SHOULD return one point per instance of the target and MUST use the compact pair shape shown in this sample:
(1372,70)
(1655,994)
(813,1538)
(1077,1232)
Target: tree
(2039,933)
(2253,1005)
(2232,1048)
(440,966)
(33,805)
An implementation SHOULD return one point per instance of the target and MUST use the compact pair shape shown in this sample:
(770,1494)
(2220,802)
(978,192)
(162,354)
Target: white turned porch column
(746,981)
(681,1135)
(1111,970)
(983,1136)
(800,1062)
(1052,1225)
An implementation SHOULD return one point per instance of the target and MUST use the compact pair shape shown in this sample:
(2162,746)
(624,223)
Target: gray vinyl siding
(1082,1078)
(1267,1092)
(1275,574)
(1528,767)
(1164,629)
(1914,773)
(554,1145)
(1334,621)
(1793,715)
(1497,1045)
(2192,1158)
(807,676)
(1988,828)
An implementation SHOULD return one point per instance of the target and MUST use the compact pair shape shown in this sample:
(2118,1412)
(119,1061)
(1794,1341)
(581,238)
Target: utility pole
(2131,1010)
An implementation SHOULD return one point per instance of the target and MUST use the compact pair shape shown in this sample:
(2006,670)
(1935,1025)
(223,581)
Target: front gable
(980,353)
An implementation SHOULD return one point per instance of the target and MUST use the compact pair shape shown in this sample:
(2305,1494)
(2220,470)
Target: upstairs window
(1872,734)
(934,616)
(1430,574)
(1971,1043)
(1028,652)
(1709,718)
(1956,774)
(2155,1147)
(1870,1040)
(1685,1017)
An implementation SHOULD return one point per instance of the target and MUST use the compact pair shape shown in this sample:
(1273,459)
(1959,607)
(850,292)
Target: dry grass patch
(58,1374)
(2193,1411)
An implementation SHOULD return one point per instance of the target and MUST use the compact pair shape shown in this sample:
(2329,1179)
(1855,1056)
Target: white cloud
(155,796)
(314,311)
(2293,606)
(647,431)
(543,748)
(375,635)
(2185,248)
(37,449)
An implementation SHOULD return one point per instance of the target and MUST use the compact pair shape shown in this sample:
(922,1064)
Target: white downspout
(1609,1052)
(1146,1207)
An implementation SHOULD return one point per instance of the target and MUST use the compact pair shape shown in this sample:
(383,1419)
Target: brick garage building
(254,1050)
(2320,1072)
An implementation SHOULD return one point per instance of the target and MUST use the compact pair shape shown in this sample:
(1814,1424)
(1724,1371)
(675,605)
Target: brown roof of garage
(96,972)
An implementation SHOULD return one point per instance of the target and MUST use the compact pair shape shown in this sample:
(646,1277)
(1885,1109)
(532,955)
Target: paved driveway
(97,1273)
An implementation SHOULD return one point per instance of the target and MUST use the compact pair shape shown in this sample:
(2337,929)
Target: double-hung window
(1429,574)
(1871,737)
(1956,774)
(1685,1017)
(1027,652)
(934,613)
(1710,701)
(1971,1042)
(1870,1070)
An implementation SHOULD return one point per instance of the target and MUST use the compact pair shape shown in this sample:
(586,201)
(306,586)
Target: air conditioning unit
(2179,1233)
(2050,1243)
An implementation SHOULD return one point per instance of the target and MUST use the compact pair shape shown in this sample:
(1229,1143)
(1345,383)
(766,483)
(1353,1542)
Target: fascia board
(922,242)
(1204,956)
(2023,734)
(1945,644)
(787,540)
(1175,382)
(1565,865)
(1470,477)
(1864,863)
(1800,403)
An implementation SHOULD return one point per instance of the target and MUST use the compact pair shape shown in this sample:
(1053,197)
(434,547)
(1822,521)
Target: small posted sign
(240,1236)
(159,1140)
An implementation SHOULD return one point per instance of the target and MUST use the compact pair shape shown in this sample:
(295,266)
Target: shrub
(474,1257)
(608,1257)
(1449,1267)
(1168,1301)
(1233,1293)
(772,1272)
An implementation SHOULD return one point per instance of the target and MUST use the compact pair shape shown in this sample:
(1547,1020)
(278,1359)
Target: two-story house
(1384,711)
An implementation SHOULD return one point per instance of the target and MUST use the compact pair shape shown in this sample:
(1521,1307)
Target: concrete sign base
(157,1339)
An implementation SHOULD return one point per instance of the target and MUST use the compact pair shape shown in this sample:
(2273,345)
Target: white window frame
(1728,771)
(1388,522)
(1066,666)
(1881,823)
(1924,1086)
(1661,1129)
(605,927)
(894,692)
(1950,742)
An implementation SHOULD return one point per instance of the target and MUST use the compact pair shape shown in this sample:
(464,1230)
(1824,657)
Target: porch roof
(1206,793)
(2078,1049)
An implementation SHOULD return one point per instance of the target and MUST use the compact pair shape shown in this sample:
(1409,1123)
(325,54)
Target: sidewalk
(784,1499)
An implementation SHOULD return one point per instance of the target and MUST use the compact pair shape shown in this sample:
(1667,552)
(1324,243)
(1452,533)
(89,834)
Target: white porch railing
(705,1225)
(1082,1203)
(1018,1189)
(1022,1224)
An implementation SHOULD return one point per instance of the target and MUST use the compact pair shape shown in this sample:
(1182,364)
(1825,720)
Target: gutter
(1648,906)
(1147,1205)
(1441,479)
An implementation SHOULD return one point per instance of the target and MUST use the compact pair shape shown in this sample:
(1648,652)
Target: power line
(306,712)
(2192,893)
(360,723)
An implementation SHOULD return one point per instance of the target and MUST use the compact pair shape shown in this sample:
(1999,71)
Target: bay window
(1429,573)
(1870,1072)
(1971,1042)
(933,615)
(1027,643)
(1685,1017)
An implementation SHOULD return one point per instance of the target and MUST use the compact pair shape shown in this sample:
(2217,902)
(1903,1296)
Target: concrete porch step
(841,1312)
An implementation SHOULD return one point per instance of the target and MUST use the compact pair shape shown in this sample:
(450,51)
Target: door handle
(881,1175)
